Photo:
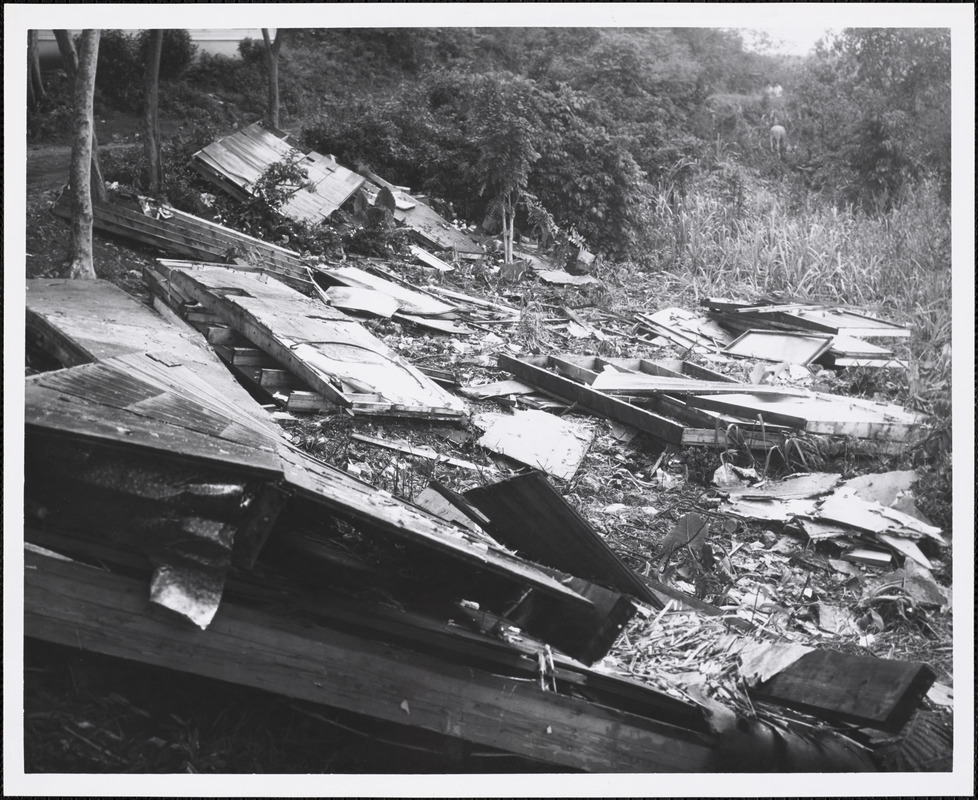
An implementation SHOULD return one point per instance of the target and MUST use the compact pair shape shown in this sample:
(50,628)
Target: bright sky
(788,41)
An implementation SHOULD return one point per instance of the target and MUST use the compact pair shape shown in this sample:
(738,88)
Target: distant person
(779,140)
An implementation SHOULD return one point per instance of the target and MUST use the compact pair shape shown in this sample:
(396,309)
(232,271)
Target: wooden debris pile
(379,292)
(154,477)
(795,333)
(850,514)
(685,404)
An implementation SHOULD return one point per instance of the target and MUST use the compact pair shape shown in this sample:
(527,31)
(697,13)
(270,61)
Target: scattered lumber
(418,452)
(537,371)
(561,278)
(236,163)
(802,316)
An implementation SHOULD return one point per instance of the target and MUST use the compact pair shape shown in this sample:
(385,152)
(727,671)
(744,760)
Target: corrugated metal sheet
(237,161)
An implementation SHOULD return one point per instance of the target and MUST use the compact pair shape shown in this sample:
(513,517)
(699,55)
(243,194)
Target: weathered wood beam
(72,604)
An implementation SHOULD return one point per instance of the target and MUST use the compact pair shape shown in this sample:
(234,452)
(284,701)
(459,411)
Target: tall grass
(897,264)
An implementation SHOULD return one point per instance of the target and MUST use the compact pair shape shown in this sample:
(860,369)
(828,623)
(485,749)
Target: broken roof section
(426,225)
(331,352)
(236,162)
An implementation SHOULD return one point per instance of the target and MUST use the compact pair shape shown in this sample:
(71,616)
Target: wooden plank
(864,690)
(529,515)
(537,439)
(420,452)
(333,356)
(76,605)
(93,402)
(185,235)
(821,413)
(661,428)
(790,347)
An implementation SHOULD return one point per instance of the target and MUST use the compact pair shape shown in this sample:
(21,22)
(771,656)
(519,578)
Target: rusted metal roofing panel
(237,161)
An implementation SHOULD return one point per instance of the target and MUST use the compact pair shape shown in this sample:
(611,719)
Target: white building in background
(216,41)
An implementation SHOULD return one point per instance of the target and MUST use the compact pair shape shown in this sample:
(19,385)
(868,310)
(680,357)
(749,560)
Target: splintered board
(81,606)
(335,355)
(821,414)
(237,162)
(686,329)
(408,301)
(863,690)
(780,346)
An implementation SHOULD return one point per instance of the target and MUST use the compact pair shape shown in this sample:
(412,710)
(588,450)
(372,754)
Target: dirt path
(47,166)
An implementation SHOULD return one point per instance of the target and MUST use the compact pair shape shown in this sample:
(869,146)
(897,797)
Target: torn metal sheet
(191,592)
(780,347)
(875,518)
(362,300)
(880,487)
(773,510)
(537,439)
(238,161)
(409,302)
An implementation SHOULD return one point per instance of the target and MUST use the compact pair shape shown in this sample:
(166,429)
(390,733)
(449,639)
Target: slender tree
(35,86)
(69,59)
(272,50)
(82,260)
(151,89)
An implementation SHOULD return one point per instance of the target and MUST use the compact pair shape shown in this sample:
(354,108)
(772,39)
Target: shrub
(178,52)
(119,69)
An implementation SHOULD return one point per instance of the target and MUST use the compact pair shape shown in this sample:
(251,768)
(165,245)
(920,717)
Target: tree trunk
(272,49)
(82,261)
(69,59)
(36,85)
(152,118)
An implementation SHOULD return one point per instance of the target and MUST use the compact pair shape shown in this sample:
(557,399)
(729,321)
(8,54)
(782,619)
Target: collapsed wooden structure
(185,531)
